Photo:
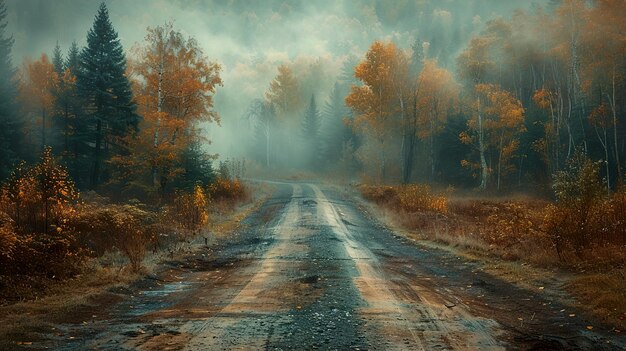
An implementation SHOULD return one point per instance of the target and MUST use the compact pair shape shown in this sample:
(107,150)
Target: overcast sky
(251,38)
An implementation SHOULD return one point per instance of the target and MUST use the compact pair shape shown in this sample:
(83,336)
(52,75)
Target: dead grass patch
(604,294)
(72,301)
(88,294)
(507,235)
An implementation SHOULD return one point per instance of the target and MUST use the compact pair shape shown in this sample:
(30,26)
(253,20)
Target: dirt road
(310,270)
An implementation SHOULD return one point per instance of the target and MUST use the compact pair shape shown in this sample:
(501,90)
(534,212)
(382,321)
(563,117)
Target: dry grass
(69,301)
(74,300)
(224,224)
(604,294)
(507,234)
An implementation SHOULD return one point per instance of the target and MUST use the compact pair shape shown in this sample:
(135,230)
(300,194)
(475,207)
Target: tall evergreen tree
(75,127)
(10,121)
(57,60)
(335,131)
(72,61)
(106,90)
(311,131)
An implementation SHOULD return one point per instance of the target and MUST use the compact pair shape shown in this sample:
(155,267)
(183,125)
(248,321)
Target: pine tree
(197,168)
(310,131)
(106,90)
(10,123)
(57,60)
(77,133)
(72,61)
(335,132)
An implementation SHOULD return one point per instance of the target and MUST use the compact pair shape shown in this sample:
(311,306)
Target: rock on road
(310,270)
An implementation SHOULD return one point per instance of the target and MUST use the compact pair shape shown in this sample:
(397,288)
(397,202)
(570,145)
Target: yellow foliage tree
(497,121)
(174,87)
(284,94)
(39,79)
(437,96)
(382,96)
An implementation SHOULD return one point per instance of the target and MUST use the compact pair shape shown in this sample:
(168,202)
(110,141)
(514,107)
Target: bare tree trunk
(158,121)
(614,112)
(409,145)
(481,146)
(267,145)
(95,175)
(383,175)
(43,129)
(606,157)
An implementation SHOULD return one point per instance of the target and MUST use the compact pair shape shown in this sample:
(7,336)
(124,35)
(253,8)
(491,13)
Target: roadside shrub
(419,197)
(615,219)
(378,194)
(224,189)
(576,220)
(126,228)
(511,223)
(37,203)
(410,198)
(191,209)
(8,238)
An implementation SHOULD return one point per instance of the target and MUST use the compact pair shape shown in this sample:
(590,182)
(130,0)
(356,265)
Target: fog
(250,39)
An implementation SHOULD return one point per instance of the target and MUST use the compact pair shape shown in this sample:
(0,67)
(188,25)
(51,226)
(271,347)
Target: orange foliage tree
(604,41)
(437,96)
(174,87)
(284,94)
(380,99)
(37,205)
(497,121)
(39,79)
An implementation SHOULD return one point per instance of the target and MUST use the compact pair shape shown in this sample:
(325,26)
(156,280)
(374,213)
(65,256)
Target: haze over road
(311,270)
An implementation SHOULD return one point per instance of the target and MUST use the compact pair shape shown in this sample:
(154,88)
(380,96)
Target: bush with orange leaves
(191,209)
(109,227)
(410,198)
(37,205)
(224,189)
(574,222)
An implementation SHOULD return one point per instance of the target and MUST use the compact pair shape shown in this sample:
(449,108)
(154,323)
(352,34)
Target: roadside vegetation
(580,230)
(51,233)
(110,171)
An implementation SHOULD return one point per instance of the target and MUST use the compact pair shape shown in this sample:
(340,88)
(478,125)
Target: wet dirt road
(310,270)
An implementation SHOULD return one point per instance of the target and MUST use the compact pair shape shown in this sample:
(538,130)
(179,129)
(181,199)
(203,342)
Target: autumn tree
(436,98)
(106,90)
(39,81)
(474,64)
(284,94)
(174,87)
(497,119)
(376,101)
(603,72)
(40,203)
(409,126)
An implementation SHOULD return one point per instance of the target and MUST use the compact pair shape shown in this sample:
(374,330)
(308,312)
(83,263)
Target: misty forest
(337,175)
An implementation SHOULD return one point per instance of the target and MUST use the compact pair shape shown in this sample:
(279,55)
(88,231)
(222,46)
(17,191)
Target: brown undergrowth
(515,229)
(68,301)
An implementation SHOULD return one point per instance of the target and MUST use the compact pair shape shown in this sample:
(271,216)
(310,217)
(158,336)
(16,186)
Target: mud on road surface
(310,270)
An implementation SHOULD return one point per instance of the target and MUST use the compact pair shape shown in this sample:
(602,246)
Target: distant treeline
(523,96)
